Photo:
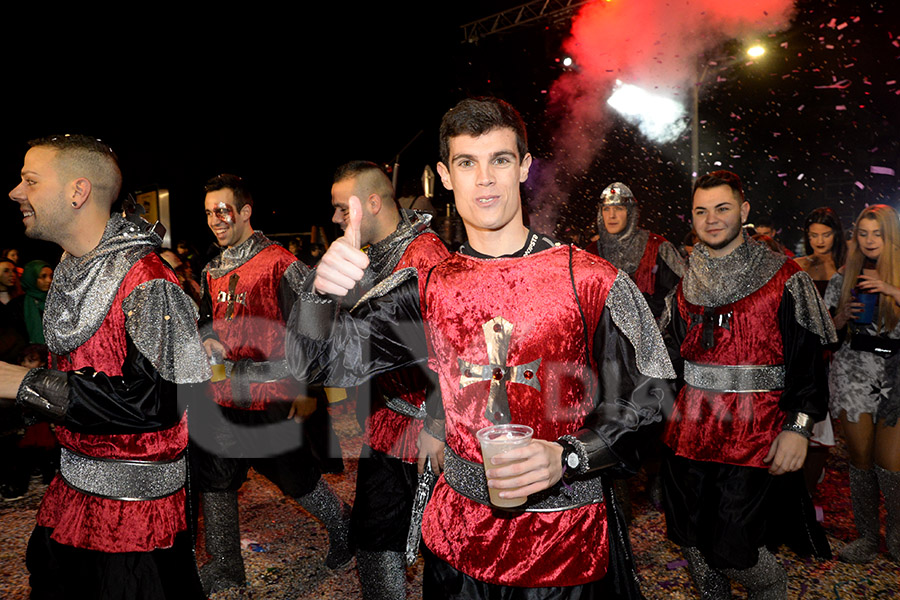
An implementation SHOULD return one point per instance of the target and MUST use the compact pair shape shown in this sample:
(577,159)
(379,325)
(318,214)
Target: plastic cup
(217,365)
(870,305)
(498,439)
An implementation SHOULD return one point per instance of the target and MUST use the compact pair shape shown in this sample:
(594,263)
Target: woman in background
(865,376)
(826,248)
(826,252)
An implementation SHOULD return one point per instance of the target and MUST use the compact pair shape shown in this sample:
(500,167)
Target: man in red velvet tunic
(247,291)
(750,326)
(122,336)
(519,329)
(391,408)
(649,259)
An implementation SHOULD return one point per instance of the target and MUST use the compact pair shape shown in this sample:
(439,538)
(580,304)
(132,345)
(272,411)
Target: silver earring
(74,204)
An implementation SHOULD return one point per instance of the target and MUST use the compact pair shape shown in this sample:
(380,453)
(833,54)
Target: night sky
(283,99)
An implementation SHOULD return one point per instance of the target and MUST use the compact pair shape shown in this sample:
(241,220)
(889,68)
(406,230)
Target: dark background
(283,96)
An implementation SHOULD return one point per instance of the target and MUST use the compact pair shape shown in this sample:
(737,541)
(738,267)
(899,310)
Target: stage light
(659,118)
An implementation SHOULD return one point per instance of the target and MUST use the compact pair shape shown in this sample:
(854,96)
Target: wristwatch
(571,461)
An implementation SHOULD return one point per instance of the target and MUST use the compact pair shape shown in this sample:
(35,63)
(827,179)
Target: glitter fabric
(84,287)
(223,542)
(128,480)
(864,500)
(734,378)
(401,406)
(382,575)
(809,308)
(672,258)
(766,580)
(631,315)
(889,482)
(386,254)
(468,479)
(232,258)
(324,505)
(718,281)
(624,249)
(162,323)
(384,286)
(712,584)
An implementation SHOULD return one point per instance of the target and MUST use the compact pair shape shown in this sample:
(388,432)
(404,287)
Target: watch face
(572,460)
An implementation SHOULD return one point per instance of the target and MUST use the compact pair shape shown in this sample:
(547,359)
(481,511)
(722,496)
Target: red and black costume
(122,336)
(651,261)
(392,406)
(750,327)
(550,337)
(247,293)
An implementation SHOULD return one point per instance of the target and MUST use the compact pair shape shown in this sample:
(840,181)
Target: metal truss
(520,15)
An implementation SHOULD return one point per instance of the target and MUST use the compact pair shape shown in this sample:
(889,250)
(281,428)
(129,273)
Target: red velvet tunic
(388,431)
(534,294)
(256,329)
(95,523)
(645,275)
(732,428)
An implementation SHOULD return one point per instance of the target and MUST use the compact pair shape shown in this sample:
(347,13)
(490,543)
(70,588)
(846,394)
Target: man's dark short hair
(478,116)
(237,185)
(354,168)
(75,141)
(717,178)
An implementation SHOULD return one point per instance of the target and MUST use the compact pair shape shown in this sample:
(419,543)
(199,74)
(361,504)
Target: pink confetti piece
(800,176)
(860,185)
(840,107)
(881,170)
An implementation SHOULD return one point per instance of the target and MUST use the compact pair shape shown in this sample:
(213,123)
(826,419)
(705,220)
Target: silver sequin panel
(162,322)
(468,479)
(734,378)
(131,480)
(809,308)
(713,281)
(84,287)
(632,316)
(232,258)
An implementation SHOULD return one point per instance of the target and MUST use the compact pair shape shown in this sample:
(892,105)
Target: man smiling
(520,329)
(247,291)
(750,326)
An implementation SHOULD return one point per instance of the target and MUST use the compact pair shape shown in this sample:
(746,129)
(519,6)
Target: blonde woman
(865,391)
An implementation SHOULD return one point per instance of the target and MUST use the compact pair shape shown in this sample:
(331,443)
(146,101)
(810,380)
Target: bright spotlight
(755,51)
(659,118)
(567,61)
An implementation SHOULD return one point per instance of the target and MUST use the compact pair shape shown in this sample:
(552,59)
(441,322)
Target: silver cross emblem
(497,336)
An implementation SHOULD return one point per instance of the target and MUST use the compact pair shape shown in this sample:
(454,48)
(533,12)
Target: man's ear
(246,212)
(745,212)
(444,173)
(524,167)
(374,204)
(79,191)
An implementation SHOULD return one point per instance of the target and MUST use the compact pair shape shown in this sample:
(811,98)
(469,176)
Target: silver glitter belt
(467,478)
(401,406)
(734,378)
(131,480)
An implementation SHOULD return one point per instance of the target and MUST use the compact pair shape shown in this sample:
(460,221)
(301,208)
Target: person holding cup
(865,392)
(521,331)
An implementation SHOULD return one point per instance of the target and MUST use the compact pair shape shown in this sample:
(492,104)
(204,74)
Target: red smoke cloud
(655,44)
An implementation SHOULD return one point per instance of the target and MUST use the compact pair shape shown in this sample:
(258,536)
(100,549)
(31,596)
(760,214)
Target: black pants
(61,572)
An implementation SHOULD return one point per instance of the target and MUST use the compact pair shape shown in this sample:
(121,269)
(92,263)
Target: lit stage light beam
(659,118)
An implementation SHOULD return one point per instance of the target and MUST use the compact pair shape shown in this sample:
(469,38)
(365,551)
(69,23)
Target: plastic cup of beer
(498,439)
(217,365)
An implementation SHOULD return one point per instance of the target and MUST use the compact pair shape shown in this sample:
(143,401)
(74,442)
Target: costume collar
(626,248)
(84,287)
(711,281)
(235,256)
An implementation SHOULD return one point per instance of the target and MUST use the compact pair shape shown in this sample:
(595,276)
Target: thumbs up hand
(343,264)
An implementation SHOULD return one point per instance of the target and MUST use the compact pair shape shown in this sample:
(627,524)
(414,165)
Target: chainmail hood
(624,249)
(235,256)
